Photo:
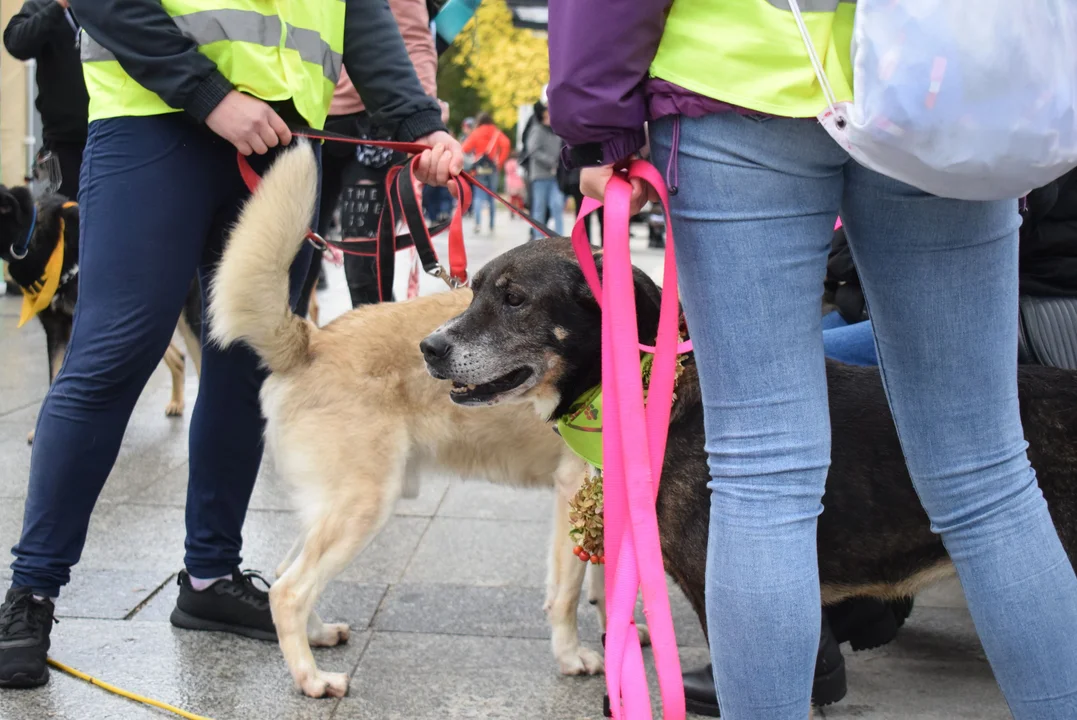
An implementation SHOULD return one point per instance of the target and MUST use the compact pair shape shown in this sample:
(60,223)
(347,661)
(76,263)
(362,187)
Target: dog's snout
(435,347)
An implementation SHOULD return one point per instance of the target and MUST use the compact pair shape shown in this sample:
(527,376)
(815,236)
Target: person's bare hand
(442,162)
(63,3)
(593,181)
(248,123)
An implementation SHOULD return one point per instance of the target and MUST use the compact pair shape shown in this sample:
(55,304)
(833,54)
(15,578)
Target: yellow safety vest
(292,51)
(750,53)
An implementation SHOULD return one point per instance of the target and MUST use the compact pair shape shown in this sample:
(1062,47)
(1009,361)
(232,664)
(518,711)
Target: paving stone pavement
(445,605)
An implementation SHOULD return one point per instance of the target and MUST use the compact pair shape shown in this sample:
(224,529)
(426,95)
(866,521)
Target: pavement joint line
(138,608)
(411,559)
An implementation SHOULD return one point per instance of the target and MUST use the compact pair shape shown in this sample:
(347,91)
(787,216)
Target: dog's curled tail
(249,296)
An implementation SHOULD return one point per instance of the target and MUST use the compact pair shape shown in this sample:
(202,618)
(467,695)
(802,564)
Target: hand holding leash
(248,123)
(593,182)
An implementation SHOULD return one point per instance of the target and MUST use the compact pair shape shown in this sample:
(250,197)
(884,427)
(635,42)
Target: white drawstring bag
(966,99)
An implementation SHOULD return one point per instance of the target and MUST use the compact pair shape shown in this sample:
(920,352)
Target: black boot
(828,688)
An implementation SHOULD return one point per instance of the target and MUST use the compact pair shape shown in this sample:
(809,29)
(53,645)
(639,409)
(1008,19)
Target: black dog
(532,331)
(29,235)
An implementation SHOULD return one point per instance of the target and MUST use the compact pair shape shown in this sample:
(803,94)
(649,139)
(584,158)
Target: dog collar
(20,253)
(581,426)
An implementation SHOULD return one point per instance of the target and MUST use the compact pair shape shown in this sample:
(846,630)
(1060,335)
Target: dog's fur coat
(353,418)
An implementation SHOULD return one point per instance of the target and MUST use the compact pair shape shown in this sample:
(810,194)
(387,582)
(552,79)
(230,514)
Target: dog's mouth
(491,392)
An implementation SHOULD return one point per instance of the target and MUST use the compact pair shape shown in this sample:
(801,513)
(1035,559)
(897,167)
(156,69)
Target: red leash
(402,204)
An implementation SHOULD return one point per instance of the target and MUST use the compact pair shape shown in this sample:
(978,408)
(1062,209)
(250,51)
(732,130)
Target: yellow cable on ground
(123,693)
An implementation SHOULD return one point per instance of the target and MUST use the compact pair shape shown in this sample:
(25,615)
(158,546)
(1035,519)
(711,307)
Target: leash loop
(634,444)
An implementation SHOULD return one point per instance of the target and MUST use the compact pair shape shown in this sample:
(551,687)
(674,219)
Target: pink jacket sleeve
(414,23)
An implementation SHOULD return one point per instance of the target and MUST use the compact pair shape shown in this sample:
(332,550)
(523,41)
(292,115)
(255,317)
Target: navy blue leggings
(157,197)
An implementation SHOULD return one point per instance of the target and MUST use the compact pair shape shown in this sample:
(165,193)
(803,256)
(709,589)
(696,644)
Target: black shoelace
(23,617)
(246,591)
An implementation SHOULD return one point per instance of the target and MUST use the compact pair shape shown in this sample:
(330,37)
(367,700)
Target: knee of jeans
(114,363)
(771,481)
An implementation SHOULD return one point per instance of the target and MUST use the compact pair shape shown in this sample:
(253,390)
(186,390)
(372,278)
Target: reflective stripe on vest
(273,57)
(750,53)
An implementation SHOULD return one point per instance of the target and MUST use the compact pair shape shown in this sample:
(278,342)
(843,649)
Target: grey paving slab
(103,594)
(218,676)
(416,677)
(458,551)
(502,612)
(484,500)
(25,378)
(432,490)
(947,593)
(353,603)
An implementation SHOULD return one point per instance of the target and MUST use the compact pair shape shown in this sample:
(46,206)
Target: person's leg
(540,203)
(753,226)
(832,320)
(359,219)
(851,344)
(139,248)
(556,200)
(940,277)
(227,424)
(70,157)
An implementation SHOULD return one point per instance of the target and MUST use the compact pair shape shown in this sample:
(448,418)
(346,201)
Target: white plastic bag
(967,99)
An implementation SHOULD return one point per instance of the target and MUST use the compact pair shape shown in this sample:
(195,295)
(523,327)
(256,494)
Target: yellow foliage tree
(507,65)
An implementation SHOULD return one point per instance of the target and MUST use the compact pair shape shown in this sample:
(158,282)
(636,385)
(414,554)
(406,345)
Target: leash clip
(15,253)
(318,242)
(446,277)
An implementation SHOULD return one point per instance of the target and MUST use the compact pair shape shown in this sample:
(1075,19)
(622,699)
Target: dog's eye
(514,299)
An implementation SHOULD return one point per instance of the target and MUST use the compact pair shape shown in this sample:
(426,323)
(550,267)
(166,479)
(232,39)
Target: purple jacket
(600,95)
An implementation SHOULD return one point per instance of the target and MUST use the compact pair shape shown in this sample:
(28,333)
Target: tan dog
(353,419)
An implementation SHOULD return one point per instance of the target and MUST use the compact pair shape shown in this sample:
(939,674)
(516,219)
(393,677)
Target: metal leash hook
(445,276)
(318,242)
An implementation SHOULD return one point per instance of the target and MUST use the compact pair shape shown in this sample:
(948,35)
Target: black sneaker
(25,624)
(234,606)
(828,688)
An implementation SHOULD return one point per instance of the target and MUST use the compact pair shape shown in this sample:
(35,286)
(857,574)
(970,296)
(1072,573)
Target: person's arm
(153,51)
(544,153)
(504,149)
(469,144)
(378,65)
(600,53)
(413,19)
(29,29)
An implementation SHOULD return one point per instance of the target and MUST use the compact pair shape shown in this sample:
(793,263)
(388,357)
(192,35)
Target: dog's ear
(648,300)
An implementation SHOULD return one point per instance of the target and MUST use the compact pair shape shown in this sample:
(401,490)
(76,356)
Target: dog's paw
(330,635)
(174,409)
(30,438)
(644,635)
(581,661)
(320,684)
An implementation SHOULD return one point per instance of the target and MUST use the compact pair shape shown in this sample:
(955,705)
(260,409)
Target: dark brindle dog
(27,263)
(532,331)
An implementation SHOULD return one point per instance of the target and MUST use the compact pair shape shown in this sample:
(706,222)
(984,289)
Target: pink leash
(634,445)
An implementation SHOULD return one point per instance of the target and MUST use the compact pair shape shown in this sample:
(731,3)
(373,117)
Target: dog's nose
(435,347)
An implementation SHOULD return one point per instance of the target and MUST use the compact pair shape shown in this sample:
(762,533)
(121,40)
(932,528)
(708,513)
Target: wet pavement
(445,605)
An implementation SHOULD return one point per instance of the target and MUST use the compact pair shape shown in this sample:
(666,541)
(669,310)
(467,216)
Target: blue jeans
(548,205)
(753,220)
(158,195)
(481,197)
(851,344)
